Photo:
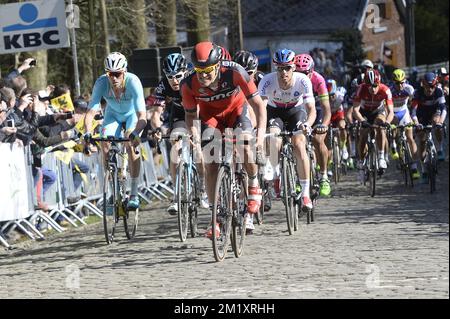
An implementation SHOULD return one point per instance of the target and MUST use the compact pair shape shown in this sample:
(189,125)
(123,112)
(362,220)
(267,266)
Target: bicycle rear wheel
(110,205)
(240,215)
(260,215)
(222,214)
(182,195)
(432,169)
(288,189)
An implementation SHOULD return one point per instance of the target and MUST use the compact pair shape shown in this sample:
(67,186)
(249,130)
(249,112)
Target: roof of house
(272,17)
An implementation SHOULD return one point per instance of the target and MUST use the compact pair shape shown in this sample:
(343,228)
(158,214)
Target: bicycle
(371,169)
(187,187)
(265,197)
(405,159)
(115,196)
(230,202)
(288,180)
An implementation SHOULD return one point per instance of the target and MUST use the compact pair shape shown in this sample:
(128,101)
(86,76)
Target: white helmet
(115,62)
(367,64)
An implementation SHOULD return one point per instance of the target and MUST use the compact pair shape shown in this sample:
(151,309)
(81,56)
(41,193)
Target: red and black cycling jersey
(371,102)
(234,89)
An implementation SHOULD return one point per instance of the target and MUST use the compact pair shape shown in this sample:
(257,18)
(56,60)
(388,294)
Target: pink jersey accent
(319,85)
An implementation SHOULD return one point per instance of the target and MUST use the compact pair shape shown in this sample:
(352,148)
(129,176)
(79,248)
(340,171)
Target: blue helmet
(174,63)
(284,56)
(430,78)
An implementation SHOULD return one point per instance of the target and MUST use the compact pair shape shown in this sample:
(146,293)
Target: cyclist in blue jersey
(125,105)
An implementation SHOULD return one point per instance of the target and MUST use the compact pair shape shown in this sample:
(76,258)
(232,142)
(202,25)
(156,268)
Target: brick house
(385,40)
(306,24)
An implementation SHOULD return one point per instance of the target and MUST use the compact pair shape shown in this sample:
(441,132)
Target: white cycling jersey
(401,97)
(301,92)
(339,102)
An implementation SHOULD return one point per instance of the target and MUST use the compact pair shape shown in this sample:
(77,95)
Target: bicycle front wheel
(194,203)
(336,162)
(287,182)
(182,195)
(110,205)
(240,214)
(222,214)
(372,167)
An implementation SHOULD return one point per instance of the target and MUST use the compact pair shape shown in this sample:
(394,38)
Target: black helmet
(248,60)
(80,103)
(174,63)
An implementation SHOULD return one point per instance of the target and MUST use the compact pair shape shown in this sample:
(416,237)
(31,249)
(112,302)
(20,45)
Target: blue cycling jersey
(131,101)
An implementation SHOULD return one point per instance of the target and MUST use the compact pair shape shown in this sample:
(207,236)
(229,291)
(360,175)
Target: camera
(10,123)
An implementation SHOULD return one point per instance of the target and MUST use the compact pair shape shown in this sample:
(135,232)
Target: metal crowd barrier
(154,183)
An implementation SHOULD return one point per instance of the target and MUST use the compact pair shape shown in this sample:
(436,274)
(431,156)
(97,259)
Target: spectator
(8,96)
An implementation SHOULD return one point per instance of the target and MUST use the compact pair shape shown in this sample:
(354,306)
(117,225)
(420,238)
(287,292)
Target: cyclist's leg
(111,127)
(381,139)
(133,160)
(296,117)
(243,131)
(439,137)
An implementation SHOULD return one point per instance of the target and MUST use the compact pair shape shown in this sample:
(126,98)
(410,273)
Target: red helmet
(205,54)
(224,54)
(372,77)
(304,63)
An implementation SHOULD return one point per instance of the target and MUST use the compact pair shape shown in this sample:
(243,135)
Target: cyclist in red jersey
(373,105)
(219,93)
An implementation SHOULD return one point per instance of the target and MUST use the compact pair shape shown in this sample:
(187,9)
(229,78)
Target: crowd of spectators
(28,118)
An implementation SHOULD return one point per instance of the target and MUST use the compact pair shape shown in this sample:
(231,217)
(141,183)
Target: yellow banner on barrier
(63,102)
(65,156)
(80,125)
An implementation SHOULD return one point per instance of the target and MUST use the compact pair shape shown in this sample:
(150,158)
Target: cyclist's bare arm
(311,110)
(155,116)
(191,116)
(88,119)
(142,121)
(259,107)
(390,113)
(356,113)
(325,102)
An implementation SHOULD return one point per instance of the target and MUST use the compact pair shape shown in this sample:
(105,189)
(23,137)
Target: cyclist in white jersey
(402,95)
(289,97)
(124,95)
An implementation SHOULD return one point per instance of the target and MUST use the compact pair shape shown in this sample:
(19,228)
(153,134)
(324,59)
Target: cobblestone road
(392,246)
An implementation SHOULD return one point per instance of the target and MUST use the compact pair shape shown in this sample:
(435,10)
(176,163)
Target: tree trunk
(197,21)
(166,27)
(138,25)
(37,76)
(105,27)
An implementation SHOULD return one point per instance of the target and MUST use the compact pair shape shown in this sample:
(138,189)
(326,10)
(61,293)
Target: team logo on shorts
(296,93)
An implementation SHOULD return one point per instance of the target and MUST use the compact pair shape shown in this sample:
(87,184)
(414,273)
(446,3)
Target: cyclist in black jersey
(167,101)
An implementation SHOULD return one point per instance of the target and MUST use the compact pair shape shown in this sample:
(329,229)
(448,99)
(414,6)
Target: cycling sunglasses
(207,69)
(400,82)
(177,76)
(284,68)
(114,74)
